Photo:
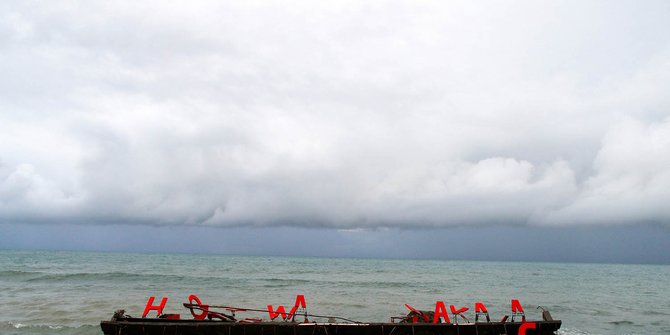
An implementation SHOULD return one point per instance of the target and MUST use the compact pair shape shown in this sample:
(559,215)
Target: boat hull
(137,326)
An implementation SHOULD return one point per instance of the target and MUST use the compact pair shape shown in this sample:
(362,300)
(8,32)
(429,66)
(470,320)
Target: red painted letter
(457,311)
(204,308)
(440,310)
(417,312)
(299,303)
(280,310)
(480,309)
(518,310)
(157,308)
(525,326)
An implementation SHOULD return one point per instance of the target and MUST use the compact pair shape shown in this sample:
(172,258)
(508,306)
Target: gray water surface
(70,292)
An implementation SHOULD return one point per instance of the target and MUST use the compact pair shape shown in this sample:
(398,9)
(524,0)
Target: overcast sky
(358,116)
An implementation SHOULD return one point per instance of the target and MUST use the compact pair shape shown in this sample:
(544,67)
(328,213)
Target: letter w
(280,310)
(299,302)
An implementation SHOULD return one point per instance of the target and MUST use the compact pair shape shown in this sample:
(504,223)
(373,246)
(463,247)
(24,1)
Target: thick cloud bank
(335,114)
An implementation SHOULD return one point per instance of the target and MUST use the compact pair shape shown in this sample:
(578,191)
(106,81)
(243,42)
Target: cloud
(631,179)
(337,114)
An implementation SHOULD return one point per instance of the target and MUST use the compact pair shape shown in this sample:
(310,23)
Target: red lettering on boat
(194,300)
(525,326)
(280,310)
(440,311)
(518,310)
(299,303)
(151,307)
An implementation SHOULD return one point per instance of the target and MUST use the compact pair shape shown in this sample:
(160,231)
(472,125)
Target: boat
(224,320)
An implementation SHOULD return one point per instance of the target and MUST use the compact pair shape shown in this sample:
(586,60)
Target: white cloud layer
(341,114)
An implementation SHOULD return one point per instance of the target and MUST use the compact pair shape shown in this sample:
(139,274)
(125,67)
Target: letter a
(299,302)
(440,310)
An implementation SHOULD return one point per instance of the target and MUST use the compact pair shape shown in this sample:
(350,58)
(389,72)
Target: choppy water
(70,292)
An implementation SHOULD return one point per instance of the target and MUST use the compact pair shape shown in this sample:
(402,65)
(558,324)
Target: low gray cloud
(335,114)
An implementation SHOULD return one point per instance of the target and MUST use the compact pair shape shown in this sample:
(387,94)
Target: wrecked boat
(224,320)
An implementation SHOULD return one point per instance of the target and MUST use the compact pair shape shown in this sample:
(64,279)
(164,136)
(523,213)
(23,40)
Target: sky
(338,128)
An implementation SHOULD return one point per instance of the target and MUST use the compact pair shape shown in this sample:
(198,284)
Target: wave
(622,322)
(38,276)
(103,276)
(286,282)
(276,282)
(568,331)
(18,274)
(17,328)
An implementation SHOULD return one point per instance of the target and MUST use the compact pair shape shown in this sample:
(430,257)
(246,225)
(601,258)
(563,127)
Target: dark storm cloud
(335,114)
(590,243)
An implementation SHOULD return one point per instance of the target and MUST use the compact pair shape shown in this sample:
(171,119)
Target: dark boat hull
(136,326)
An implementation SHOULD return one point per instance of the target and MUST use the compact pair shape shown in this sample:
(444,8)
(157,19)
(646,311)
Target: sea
(47,292)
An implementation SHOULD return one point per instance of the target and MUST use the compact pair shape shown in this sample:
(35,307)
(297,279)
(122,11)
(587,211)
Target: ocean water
(70,292)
